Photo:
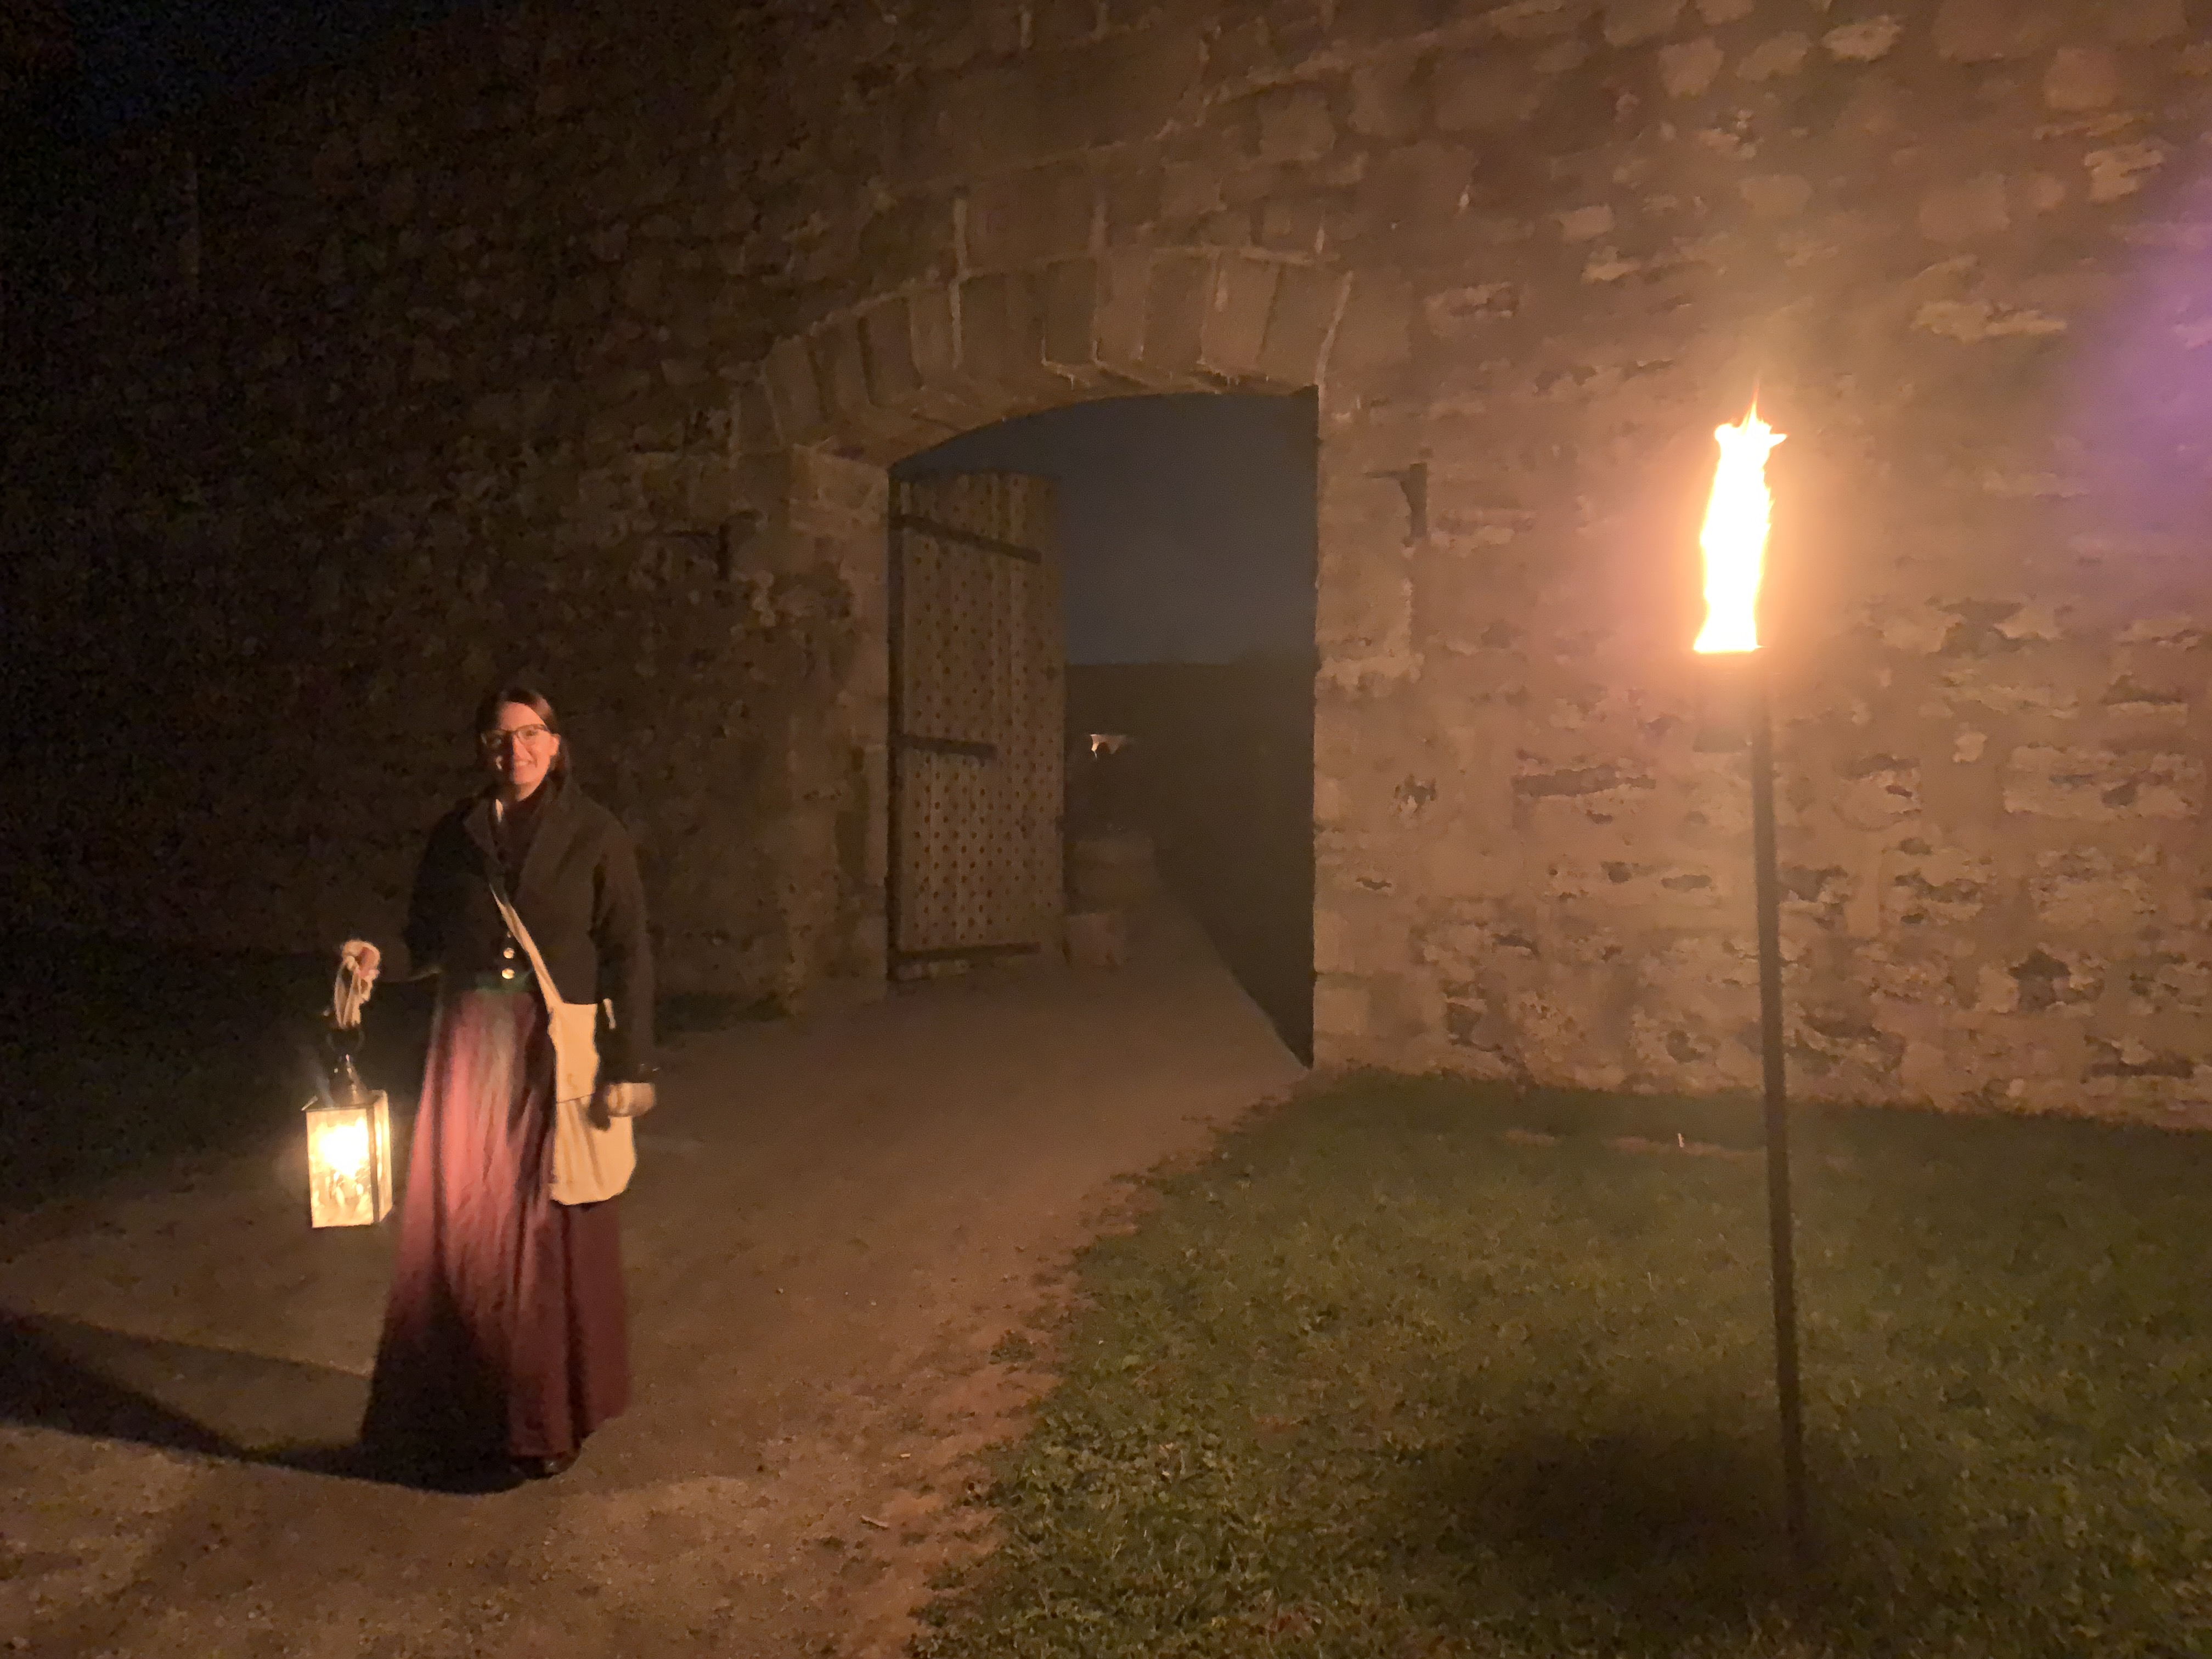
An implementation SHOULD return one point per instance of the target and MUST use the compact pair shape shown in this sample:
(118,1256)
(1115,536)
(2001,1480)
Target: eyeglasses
(532,735)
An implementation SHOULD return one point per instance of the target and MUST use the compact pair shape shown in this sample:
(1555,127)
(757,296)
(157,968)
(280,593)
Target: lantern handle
(349,994)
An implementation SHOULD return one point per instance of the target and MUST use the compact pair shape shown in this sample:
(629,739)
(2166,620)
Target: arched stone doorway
(830,413)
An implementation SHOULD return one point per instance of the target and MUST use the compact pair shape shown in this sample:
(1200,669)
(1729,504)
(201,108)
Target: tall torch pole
(1734,542)
(1781,1227)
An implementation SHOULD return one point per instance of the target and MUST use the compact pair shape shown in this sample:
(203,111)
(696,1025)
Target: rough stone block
(1980,31)
(1340,1013)
(794,391)
(1071,308)
(1294,224)
(1124,88)
(1299,319)
(1863,42)
(1388,101)
(933,335)
(823,481)
(841,370)
(1178,290)
(2143,23)
(2087,890)
(1192,189)
(1689,69)
(1541,20)
(753,429)
(992,117)
(1132,196)
(1776,194)
(1459,312)
(1031,216)
(1295,126)
(1368,614)
(1124,278)
(1582,223)
(887,343)
(1628,21)
(2100,785)
(1770,60)
(2082,78)
(1481,90)
(1374,332)
(1065,22)
(1415,194)
(1002,329)
(2118,170)
(1234,337)
(1964,211)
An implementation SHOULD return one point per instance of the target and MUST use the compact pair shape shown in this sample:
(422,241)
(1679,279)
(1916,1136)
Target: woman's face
(519,749)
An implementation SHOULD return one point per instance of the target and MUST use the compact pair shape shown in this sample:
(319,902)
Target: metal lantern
(348,1152)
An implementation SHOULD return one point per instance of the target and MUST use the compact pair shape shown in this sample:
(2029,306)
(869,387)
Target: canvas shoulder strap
(574,1024)
(508,914)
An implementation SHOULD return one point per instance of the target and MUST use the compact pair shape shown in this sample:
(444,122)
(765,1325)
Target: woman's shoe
(545,1469)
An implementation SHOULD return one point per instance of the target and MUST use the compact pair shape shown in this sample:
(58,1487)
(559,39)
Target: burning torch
(1734,539)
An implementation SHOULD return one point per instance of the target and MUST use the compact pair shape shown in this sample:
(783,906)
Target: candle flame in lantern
(345,1150)
(1734,536)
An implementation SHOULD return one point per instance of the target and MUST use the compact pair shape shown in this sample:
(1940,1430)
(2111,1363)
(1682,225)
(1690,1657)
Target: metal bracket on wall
(720,545)
(1414,480)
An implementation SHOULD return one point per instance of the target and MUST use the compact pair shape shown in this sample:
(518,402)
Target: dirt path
(833,1229)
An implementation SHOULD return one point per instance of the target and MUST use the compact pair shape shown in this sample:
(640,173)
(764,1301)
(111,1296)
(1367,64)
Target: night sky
(1186,523)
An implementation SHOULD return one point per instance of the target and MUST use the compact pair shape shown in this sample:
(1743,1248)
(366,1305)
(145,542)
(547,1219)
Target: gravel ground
(841,1235)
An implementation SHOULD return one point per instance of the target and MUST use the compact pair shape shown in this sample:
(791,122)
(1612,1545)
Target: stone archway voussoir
(932,361)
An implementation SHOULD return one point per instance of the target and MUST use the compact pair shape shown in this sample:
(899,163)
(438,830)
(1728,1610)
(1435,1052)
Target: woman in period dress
(505,1338)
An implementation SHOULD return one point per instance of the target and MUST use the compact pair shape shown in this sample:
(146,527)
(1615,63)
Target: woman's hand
(357,963)
(362,958)
(626,1099)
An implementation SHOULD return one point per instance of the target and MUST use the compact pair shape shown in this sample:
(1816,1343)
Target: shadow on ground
(1676,1534)
(205,1401)
(1626,1509)
(1612,1507)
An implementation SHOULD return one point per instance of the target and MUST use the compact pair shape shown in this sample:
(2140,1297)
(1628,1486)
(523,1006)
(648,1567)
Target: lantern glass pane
(349,1164)
(380,1118)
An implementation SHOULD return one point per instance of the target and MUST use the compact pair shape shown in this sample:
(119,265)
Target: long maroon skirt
(505,1330)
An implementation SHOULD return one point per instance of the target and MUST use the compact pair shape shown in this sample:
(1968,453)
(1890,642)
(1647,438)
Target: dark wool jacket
(579,896)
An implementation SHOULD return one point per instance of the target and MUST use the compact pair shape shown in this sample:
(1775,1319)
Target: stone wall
(337,406)
(584,336)
(1938,238)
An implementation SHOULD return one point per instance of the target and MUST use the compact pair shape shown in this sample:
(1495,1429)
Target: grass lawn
(1392,1375)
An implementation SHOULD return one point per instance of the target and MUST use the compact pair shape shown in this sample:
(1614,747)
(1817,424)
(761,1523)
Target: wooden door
(978,682)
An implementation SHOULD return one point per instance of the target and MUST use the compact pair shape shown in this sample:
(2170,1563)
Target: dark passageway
(1186,534)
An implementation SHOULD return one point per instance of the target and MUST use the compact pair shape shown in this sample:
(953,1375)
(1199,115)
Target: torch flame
(1734,536)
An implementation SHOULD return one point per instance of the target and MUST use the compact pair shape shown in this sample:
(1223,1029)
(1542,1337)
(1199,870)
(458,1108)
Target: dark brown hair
(522,692)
